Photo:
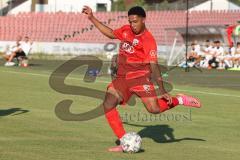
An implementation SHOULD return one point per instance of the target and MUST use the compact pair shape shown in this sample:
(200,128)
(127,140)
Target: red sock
(115,122)
(164,105)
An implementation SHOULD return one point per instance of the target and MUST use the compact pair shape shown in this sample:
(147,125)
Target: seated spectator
(228,57)
(236,56)
(21,50)
(12,49)
(195,55)
(217,56)
(207,54)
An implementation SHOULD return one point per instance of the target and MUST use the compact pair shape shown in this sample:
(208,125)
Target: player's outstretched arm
(101,27)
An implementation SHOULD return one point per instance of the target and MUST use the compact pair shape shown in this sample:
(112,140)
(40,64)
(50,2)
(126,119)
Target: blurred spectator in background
(207,51)
(11,49)
(236,56)
(217,56)
(194,56)
(20,52)
(228,57)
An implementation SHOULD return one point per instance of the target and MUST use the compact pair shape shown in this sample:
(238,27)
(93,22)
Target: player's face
(137,23)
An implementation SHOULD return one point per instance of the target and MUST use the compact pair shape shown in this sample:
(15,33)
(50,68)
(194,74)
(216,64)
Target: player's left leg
(156,105)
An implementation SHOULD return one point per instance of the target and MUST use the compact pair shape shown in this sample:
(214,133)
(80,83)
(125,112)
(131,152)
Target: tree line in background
(237,2)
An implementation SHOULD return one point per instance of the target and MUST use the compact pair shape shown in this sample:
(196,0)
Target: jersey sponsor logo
(135,42)
(127,47)
(146,88)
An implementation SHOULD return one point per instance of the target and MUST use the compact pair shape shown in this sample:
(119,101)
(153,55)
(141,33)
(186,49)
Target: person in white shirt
(207,53)
(228,57)
(218,55)
(219,51)
(236,56)
(22,50)
(26,46)
(12,48)
(195,55)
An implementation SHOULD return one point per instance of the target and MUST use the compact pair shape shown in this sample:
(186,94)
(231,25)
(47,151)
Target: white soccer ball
(131,142)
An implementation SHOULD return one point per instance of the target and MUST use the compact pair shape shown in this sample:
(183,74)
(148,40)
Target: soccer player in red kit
(137,60)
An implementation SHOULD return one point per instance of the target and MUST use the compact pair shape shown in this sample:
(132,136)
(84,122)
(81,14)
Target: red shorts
(140,86)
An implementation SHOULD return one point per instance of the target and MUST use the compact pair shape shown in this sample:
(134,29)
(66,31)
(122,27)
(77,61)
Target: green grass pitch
(30,130)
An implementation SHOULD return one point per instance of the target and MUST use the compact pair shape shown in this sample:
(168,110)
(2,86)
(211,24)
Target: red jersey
(135,52)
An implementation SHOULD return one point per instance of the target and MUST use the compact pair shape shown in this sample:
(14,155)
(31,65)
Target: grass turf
(30,129)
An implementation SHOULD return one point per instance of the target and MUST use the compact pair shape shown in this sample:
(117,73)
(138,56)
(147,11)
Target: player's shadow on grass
(12,111)
(161,133)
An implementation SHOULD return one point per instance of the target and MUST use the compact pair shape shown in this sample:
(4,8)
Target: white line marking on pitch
(99,81)
(209,93)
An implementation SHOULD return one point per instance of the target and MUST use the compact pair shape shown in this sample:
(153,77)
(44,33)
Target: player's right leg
(112,99)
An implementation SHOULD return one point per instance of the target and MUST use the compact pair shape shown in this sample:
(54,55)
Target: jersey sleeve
(120,33)
(150,49)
